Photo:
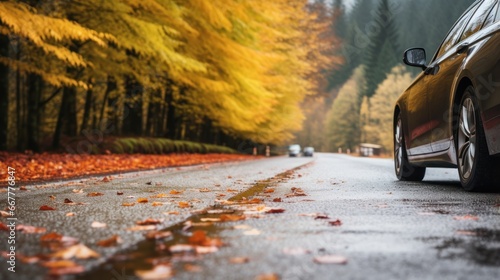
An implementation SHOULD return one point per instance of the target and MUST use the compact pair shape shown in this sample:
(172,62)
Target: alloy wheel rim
(467,138)
(398,146)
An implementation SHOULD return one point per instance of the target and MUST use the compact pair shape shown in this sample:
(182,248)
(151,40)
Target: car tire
(476,169)
(405,171)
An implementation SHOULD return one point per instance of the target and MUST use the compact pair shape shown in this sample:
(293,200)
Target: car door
(417,118)
(444,70)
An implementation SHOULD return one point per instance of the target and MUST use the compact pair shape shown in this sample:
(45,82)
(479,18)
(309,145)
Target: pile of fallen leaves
(46,166)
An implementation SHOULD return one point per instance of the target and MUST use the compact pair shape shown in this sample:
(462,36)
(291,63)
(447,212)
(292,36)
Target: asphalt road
(340,217)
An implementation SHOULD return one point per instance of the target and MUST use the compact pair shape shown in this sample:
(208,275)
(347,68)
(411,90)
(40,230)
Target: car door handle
(462,48)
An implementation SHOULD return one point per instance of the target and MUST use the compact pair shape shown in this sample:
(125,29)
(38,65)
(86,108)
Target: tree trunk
(154,111)
(171,121)
(110,86)
(66,120)
(89,100)
(33,127)
(132,111)
(4,93)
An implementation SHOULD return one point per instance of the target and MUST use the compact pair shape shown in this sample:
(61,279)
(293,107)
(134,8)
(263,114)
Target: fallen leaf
(59,264)
(126,204)
(278,199)
(30,229)
(157,234)
(296,192)
(46,208)
(220,211)
(335,223)
(5,213)
(94,194)
(239,260)
(51,237)
(466,217)
(231,218)
(200,238)
(321,217)
(330,259)
(231,190)
(52,197)
(70,214)
(149,222)
(275,211)
(78,251)
(106,179)
(184,204)
(206,249)
(78,191)
(182,248)
(157,203)
(149,183)
(174,192)
(119,193)
(141,228)
(268,276)
(29,259)
(205,190)
(268,190)
(210,219)
(172,213)
(98,225)
(192,267)
(4,227)
(161,271)
(142,200)
(23,188)
(110,242)
(220,195)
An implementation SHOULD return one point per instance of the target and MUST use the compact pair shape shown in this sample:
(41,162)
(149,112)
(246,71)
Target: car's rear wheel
(475,167)
(404,170)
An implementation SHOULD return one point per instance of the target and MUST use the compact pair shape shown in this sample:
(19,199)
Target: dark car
(450,114)
(308,151)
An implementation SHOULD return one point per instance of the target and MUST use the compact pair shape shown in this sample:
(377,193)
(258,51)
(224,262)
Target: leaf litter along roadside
(180,248)
(45,166)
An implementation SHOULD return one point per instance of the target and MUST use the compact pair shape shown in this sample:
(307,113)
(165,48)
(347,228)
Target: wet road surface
(332,216)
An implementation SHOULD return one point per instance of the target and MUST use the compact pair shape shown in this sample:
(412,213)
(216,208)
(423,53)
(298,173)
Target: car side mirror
(415,57)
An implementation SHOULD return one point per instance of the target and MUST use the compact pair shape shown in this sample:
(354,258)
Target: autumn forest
(319,73)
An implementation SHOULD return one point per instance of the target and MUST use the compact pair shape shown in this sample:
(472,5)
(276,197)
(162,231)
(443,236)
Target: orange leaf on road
(110,242)
(95,194)
(184,204)
(231,218)
(149,222)
(46,208)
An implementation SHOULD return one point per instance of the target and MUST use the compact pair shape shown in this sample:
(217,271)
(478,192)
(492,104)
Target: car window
(455,32)
(492,16)
(476,22)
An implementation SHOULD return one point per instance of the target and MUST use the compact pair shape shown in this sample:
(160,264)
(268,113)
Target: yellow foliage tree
(382,106)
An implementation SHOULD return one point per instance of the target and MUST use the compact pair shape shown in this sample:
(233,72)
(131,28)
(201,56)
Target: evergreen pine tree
(383,51)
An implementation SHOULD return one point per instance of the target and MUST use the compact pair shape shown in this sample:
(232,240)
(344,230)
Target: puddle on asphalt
(480,245)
